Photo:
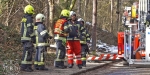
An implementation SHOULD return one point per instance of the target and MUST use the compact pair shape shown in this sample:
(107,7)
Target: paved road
(119,69)
(68,71)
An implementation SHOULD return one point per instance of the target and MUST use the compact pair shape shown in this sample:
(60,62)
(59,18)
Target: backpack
(59,26)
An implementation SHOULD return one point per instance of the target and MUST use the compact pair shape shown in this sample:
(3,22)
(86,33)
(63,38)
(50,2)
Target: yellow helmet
(29,9)
(65,13)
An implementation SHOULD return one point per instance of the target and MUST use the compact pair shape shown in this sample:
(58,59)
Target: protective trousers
(84,49)
(28,49)
(39,57)
(60,53)
(74,47)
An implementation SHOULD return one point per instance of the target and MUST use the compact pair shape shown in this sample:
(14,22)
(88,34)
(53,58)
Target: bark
(111,16)
(72,4)
(51,16)
(94,23)
(79,8)
(85,8)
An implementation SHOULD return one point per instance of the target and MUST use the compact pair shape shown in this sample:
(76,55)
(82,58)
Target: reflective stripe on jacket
(74,30)
(85,40)
(27,28)
(41,34)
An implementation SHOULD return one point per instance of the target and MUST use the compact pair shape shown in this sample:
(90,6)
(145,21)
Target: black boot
(27,68)
(60,64)
(70,65)
(42,67)
(80,66)
(36,67)
(84,63)
(23,66)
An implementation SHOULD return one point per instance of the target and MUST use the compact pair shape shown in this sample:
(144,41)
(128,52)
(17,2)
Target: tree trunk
(46,12)
(85,8)
(72,4)
(118,13)
(51,16)
(79,8)
(111,16)
(94,23)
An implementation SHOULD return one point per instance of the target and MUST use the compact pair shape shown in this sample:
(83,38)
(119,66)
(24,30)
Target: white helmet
(72,13)
(40,17)
(80,19)
(88,23)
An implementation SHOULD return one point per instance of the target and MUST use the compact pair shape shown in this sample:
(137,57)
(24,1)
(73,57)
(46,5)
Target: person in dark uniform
(42,36)
(26,38)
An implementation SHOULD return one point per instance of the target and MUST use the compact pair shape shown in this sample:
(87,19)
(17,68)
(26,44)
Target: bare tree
(51,15)
(85,8)
(112,1)
(94,23)
(79,8)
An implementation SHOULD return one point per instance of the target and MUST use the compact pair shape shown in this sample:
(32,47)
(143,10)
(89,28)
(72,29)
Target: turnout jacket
(86,39)
(27,28)
(41,34)
(74,30)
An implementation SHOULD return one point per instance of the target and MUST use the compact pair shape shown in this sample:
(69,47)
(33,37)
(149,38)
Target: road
(119,69)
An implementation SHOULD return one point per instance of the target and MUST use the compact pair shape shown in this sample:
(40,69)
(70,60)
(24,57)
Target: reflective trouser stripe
(35,62)
(83,42)
(83,59)
(42,44)
(58,54)
(25,55)
(38,63)
(73,39)
(42,57)
(25,38)
(24,61)
(57,59)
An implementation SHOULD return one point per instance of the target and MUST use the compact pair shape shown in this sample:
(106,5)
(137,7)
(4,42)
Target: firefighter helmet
(80,19)
(72,13)
(40,17)
(29,9)
(65,13)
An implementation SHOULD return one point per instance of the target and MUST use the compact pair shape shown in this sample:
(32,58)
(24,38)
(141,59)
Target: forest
(108,20)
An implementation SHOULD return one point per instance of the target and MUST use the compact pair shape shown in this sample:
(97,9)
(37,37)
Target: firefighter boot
(84,63)
(70,65)
(36,66)
(80,66)
(63,64)
(30,67)
(27,68)
(42,67)
(60,64)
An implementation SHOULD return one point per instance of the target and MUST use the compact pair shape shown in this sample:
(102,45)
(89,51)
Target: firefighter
(147,23)
(84,42)
(60,39)
(41,42)
(74,29)
(26,38)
